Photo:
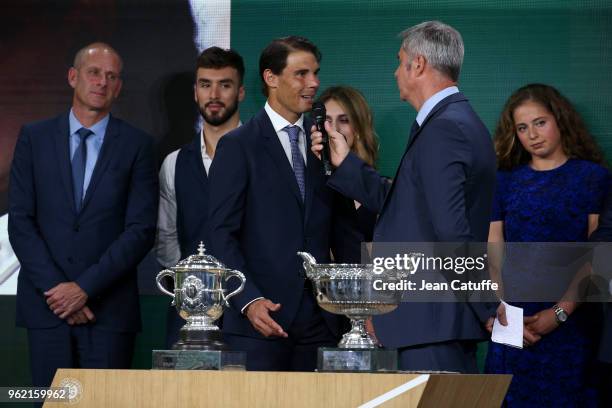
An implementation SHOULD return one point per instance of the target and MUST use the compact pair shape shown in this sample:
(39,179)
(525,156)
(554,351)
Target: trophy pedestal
(209,340)
(199,360)
(356,360)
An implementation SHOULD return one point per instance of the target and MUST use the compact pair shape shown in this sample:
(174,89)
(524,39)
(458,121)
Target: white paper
(512,334)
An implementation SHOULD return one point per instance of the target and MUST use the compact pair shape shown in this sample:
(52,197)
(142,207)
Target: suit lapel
(195,159)
(314,171)
(62,149)
(106,154)
(275,150)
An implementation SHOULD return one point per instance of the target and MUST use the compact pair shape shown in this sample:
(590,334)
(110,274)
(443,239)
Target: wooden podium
(161,388)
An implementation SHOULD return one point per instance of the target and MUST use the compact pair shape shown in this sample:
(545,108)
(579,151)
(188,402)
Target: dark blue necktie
(414,129)
(296,157)
(78,166)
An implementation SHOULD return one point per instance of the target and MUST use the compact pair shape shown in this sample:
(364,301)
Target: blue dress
(549,206)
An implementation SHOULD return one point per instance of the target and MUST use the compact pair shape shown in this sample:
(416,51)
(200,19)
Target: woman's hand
(542,322)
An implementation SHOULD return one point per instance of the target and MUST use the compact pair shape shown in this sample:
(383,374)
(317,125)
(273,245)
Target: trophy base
(356,360)
(199,360)
(207,340)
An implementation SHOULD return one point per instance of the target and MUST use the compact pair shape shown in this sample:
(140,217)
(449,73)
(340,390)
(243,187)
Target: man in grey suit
(442,192)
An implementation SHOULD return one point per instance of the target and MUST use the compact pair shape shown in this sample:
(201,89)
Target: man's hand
(65,299)
(82,316)
(338,147)
(501,316)
(369,326)
(258,314)
(529,336)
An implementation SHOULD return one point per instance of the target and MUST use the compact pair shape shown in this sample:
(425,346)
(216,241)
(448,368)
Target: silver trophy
(348,289)
(199,296)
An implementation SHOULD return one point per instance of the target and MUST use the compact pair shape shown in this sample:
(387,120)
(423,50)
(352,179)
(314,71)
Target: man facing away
(442,192)
(82,208)
(183,208)
(268,200)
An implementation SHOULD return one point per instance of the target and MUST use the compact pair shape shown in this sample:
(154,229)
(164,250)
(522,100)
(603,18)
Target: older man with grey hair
(442,192)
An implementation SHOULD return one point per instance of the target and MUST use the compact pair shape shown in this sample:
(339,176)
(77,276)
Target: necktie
(296,157)
(78,166)
(414,129)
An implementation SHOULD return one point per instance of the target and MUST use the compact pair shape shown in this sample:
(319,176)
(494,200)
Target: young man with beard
(267,201)
(184,186)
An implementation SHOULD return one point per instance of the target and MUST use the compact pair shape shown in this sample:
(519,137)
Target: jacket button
(70,260)
(76,228)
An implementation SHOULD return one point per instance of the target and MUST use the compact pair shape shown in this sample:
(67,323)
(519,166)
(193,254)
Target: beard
(219,118)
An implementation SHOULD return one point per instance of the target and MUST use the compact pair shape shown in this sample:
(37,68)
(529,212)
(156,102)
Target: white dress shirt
(167,246)
(279,123)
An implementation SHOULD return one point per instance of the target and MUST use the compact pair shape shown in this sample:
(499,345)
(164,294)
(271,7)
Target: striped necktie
(296,157)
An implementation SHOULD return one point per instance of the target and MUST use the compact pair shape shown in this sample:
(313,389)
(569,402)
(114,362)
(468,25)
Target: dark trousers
(458,356)
(174,322)
(298,352)
(82,346)
(604,372)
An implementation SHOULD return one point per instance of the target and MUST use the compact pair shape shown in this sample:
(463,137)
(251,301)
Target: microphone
(318,114)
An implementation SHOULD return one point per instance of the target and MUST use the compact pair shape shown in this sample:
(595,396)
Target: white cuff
(247,305)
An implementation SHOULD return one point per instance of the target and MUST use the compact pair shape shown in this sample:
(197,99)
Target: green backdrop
(508,43)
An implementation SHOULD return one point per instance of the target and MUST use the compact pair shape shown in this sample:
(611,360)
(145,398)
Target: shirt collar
(203,140)
(279,123)
(98,128)
(203,143)
(433,101)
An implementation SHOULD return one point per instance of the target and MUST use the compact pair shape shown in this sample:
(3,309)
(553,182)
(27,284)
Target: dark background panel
(38,40)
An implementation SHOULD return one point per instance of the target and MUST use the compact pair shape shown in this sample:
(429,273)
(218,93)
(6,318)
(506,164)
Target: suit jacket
(98,247)
(603,233)
(258,220)
(442,192)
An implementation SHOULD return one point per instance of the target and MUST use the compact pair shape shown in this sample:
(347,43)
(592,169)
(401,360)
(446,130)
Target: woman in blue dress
(550,187)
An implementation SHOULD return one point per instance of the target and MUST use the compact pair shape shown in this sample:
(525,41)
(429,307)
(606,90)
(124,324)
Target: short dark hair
(274,56)
(217,58)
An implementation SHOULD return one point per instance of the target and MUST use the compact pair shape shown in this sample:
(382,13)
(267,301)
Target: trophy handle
(234,274)
(160,276)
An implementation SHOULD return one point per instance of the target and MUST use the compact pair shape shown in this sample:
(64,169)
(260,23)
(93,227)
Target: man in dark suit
(183,208)
(442,192)
(268,200)
(82,211)
(603,233)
